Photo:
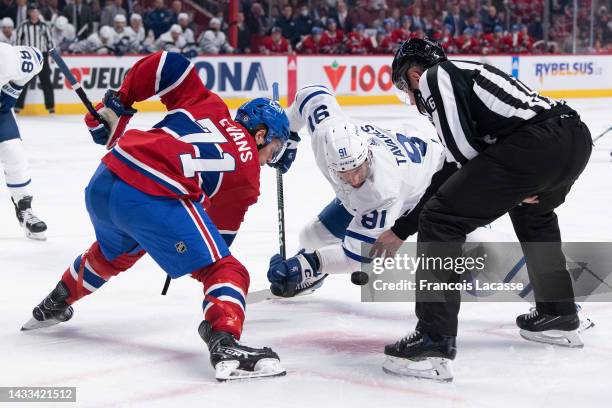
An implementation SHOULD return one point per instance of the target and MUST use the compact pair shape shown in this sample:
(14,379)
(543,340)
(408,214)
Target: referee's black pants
(45,83)
(544,159)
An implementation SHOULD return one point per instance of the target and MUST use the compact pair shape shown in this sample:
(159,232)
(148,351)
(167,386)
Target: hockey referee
(34,32)
(515,152)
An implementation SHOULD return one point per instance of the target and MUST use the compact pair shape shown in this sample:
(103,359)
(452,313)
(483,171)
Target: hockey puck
(359,278)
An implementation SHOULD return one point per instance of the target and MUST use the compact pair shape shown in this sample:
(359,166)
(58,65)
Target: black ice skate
(545,328)
(52,310)
(32,225)
(421,356)
(233,361)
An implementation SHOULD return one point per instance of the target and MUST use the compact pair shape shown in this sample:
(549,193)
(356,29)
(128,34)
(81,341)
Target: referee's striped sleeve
(20,30)
(50,41)
(431,90)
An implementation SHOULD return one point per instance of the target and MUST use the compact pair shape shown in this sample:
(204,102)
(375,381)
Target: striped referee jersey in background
(35,35)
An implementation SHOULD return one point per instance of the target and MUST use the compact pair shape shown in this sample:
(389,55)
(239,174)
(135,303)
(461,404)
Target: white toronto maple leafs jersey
(19,64)
(402,163)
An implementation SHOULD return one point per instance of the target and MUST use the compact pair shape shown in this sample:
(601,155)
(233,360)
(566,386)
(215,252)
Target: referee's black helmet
(415,51)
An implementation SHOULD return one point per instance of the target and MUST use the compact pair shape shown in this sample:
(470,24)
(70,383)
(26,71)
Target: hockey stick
(602,134)
(280,200)
(265,294)
(76,86)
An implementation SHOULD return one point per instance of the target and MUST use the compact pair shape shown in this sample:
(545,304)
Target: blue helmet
(264,111)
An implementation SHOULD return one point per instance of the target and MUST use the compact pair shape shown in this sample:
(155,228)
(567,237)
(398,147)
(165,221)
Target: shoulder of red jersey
(170,76)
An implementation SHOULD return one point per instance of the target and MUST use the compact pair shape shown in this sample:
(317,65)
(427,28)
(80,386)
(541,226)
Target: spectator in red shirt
(479,38)
(445,38)
(311,44)
(357,42)
(332,39)
(493,43)
(466,43)
(525,40)
(382,42)
(275,43)
(388,25)
(404,32)
(516,41)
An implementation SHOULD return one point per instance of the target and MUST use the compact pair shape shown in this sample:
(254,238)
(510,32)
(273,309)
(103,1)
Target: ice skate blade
(585,324)
(36,236)
(265,294)
(430,368)
(266,367)
(34,324)
(561,338)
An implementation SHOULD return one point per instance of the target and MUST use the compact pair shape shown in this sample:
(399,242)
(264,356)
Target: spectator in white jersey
(64,33)
(184,21)
(171,40)
(137,29)
(123,37)
(213,40)
(7,31)
(98,43)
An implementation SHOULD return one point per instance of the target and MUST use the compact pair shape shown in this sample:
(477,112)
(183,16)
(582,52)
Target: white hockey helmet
(61,23)
(345,147)
(7,22)
(105,32)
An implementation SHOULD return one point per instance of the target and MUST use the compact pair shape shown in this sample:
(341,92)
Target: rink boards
(357,80)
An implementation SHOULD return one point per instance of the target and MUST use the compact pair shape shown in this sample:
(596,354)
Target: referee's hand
(386,245)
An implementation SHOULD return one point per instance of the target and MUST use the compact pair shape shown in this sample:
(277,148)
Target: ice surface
(129,346)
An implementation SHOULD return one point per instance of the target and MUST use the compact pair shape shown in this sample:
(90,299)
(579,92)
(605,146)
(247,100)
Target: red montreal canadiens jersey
(196,152)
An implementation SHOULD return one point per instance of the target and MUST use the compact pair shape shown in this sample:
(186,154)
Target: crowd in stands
(314,26)
(112,27)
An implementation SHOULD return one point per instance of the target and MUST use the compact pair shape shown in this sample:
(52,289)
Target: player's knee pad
(226,284)
(16,171)
(91,270)
(315,235)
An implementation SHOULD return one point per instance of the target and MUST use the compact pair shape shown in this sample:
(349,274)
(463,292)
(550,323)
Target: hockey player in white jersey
(19,65)
(377,175)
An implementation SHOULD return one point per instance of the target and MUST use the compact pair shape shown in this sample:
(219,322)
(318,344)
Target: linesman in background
(35,33)
(517,152)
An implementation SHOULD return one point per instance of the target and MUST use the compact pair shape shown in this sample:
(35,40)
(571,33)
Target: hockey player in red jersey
(383,44)
(399,35)
(357,42)
(178,192)
(446,39)
(332,39)
(275,43)
(467,43)
(517,41)
(493,42)
(311,44)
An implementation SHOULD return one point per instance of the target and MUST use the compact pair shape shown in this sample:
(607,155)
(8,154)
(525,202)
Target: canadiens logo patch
(181,248)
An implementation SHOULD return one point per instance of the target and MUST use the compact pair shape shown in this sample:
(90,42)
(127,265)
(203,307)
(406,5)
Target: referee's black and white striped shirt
(472,105)
(35,35)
